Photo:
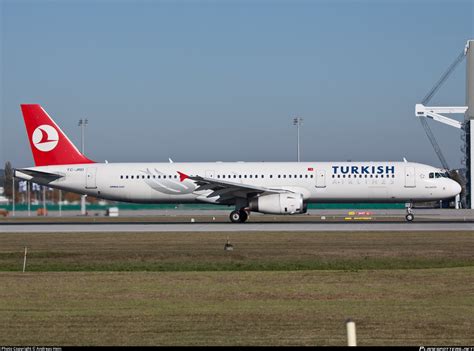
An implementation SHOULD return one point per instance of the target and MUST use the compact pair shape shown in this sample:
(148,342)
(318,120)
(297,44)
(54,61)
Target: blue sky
(220,80)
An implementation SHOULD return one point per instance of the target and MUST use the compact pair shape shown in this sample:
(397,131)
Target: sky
(222,80)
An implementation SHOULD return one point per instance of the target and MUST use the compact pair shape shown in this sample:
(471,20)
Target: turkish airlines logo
(45,138)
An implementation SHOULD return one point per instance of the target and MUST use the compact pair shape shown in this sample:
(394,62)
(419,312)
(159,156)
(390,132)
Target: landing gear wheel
(235,217)
(410,217)
(243,216)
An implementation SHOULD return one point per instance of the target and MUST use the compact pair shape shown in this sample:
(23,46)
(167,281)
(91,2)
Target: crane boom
(434,143)
(443,78)
(428,97)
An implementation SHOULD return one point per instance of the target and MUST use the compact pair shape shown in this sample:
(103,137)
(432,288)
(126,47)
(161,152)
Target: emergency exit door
(320,179)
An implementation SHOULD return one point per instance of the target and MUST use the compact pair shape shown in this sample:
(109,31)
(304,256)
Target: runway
(229,227)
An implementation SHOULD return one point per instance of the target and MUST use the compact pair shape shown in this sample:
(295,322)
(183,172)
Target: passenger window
(431,175)
(126,177)
(121,177)
(271,176)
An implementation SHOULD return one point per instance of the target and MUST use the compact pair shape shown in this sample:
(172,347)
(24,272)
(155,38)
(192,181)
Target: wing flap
(227,191)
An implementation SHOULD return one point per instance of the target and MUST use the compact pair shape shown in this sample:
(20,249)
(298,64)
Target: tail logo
(45,138)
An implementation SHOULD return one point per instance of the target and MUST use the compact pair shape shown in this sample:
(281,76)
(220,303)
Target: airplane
(284,188)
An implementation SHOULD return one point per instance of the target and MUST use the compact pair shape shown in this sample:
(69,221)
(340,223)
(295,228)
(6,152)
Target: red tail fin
(50,146)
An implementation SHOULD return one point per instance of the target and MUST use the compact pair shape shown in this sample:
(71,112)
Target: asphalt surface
(180,221)
(229,227)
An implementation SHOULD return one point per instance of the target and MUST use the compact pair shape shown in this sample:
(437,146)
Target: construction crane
(421,110)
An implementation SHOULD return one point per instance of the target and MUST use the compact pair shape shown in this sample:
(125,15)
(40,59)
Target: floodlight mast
(298,121)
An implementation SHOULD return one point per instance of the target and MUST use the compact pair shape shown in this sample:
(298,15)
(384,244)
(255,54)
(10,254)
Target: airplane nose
(455,188)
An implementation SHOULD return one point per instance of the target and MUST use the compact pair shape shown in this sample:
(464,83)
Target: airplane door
(91,178)
(410,180)
(320,179)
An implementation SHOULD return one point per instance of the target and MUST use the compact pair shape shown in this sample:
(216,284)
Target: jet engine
(285,203)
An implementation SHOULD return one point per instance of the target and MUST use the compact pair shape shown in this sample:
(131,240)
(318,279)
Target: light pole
(83,123)
(298,121)
(13,195)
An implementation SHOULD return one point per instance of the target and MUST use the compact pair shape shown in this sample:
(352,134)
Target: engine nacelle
(286,203)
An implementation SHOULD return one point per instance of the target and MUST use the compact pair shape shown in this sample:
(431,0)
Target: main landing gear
(410,216)
(238,216)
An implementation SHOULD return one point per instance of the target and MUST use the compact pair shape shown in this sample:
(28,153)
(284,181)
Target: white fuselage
(316,181)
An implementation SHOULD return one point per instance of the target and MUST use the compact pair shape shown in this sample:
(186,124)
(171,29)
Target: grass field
(273,289)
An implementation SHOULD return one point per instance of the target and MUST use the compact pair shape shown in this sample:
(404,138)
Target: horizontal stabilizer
(36,176)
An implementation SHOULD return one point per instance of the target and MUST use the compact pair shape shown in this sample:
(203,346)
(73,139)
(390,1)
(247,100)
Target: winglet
(182,176)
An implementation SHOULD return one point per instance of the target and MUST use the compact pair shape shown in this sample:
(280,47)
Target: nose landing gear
(238,216)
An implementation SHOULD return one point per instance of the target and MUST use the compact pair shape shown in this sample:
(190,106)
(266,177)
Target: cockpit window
(439,175)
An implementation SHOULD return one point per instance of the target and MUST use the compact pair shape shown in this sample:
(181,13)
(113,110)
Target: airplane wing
(229,190)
